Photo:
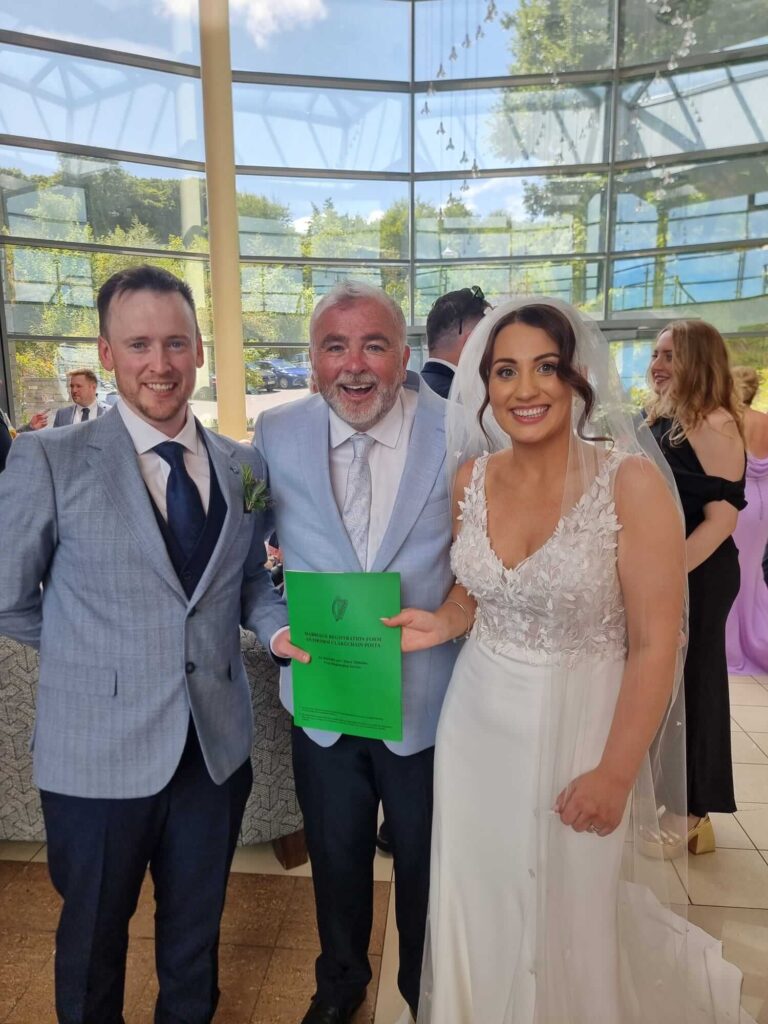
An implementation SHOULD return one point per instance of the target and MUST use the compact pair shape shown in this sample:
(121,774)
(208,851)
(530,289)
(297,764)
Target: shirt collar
(386,431)
(145,436)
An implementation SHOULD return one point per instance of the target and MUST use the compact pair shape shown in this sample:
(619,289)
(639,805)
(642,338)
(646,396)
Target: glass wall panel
(156,28)
(326,129)
(40,378)
(70,99)
(323,218)
(730,287)
(577,281)
(693,111)
(68,198)
(725,200)
(40,375)
(278,300)
(669,29)
(528,216)
(522,127)
(337,38)
(474,39)
(52,292)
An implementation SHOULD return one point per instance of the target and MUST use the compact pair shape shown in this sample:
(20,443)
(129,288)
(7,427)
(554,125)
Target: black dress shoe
(383,839)
(321,1012)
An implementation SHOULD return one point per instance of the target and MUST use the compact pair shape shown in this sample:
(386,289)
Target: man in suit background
(5,439)
(137,525)
(357,474)
(451,320)
(82,385)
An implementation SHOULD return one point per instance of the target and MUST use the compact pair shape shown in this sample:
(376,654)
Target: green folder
(353,684)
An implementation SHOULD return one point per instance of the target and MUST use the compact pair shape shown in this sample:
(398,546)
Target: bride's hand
(593,802)
(421,629)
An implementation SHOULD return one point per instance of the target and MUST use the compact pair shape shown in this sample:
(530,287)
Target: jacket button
(191,612)
(189,668)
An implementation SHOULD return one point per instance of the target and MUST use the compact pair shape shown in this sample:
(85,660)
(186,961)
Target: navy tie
(84,414)
(186,516)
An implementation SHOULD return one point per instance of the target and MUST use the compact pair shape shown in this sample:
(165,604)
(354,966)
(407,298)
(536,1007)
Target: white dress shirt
(78,416)
(386,458)
(154,469)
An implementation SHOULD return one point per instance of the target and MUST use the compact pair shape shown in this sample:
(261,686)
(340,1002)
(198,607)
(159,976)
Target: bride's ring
(593,828)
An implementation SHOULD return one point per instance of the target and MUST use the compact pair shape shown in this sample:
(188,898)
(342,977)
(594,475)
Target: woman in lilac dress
(746,636)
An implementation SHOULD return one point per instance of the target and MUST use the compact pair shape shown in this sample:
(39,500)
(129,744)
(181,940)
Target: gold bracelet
(465,635)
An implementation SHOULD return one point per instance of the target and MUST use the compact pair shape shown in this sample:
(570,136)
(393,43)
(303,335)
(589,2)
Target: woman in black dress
(695,419)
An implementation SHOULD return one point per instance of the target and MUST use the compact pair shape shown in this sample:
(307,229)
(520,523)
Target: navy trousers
(98,854)
(339,789)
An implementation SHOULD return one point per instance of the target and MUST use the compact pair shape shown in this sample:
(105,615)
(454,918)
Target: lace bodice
(559,605)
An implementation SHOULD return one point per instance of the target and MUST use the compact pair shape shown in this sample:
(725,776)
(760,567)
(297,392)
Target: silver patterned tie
(356,513)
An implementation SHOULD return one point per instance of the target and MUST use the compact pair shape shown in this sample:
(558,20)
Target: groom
(129,558)
(358,480)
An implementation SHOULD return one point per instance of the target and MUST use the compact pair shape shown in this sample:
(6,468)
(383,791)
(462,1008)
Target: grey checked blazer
(294,440)
(65,417)
(124,655)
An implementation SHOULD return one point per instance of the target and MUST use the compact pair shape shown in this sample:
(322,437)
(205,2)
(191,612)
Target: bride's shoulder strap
(471,477)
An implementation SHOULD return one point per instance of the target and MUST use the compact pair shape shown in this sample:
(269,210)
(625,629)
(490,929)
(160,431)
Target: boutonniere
(255,492)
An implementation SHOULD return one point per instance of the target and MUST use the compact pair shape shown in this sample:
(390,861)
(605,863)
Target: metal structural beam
(629,93)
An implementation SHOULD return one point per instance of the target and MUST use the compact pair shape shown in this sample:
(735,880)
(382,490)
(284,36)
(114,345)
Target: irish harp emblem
(339,608)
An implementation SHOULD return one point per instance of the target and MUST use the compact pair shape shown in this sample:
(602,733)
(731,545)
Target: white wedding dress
(484,960)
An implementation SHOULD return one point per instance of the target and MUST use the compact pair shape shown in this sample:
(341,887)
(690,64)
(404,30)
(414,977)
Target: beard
(150,408)
(361,415)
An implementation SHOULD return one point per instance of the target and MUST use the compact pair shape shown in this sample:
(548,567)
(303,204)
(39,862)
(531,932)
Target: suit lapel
(316,471)
(229,475)
(113,457)
(426,458)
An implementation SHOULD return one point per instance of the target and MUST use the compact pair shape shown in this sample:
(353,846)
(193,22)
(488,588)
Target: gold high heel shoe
(701,838)
(669,844)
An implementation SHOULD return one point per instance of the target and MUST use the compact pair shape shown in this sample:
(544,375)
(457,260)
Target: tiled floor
(269,939)
(268,942)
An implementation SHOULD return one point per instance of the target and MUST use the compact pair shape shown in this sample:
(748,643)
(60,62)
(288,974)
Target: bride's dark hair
(558,327)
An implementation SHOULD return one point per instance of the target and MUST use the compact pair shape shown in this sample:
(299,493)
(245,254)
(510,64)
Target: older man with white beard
(358,481)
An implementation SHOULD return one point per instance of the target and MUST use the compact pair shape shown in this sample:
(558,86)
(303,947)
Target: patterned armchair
(272,811)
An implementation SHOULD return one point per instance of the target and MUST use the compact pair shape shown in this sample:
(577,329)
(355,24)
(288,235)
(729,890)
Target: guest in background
(36,422)
(82,385)
(451,320)
(746,634)
(696,420)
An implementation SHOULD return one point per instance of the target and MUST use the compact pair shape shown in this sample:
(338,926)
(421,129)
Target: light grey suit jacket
(294,442)
(65,417)
(125,656)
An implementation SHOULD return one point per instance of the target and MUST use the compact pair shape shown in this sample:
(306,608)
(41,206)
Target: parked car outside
(106,393)
(288,375)
(259,377)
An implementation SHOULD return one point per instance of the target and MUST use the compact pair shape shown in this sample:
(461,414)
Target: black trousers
(98,853)
(712,588)
(339,790)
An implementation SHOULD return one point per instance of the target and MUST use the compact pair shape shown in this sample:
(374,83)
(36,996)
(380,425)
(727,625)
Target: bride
(561,740)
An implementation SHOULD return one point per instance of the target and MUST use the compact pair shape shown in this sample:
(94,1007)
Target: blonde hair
(747,383)
(701,379)
(84,372)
